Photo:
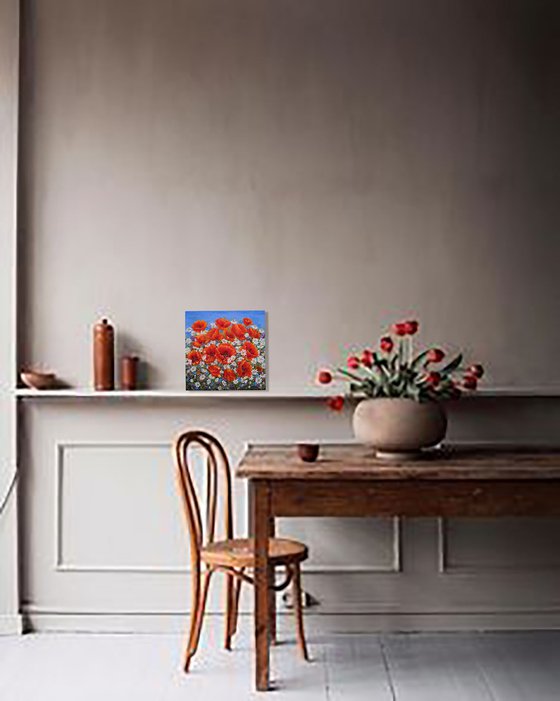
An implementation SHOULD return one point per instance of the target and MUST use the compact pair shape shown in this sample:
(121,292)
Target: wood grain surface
(356,462)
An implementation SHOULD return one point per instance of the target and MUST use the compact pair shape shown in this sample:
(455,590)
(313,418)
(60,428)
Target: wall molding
(44,620)
(59,564)
(394,566)
(444,568)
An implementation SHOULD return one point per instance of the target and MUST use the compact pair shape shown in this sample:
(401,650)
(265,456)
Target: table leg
(260,499)
(271,584)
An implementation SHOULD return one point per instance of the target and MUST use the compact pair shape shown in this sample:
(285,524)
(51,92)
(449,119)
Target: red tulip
(400,329)
(433,379)
(353,362)
(367,358)
(470,382)
(476,371)
(435,355)
(324,377)
(386,344)
(411,327)
(336,403)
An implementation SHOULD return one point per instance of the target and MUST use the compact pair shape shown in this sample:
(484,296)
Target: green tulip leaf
(452,365)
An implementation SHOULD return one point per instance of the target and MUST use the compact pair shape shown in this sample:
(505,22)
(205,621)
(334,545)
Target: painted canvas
(225,350)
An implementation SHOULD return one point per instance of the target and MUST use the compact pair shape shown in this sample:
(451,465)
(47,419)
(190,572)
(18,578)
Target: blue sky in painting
(258,317)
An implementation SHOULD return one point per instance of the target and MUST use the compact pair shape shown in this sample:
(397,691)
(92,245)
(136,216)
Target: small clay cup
(308,452)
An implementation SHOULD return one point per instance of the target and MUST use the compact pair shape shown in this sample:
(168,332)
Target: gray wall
(340,164)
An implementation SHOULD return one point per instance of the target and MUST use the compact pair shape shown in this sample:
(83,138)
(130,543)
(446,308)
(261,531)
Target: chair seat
(240,552)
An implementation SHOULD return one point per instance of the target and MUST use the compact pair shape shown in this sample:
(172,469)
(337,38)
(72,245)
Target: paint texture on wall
(343,162)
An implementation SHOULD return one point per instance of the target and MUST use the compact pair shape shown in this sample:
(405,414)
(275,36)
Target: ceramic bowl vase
(38,380)
(399,428)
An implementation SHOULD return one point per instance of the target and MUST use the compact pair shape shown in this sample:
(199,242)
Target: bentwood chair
(232,556)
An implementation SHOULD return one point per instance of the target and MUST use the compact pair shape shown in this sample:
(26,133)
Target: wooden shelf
(308,394)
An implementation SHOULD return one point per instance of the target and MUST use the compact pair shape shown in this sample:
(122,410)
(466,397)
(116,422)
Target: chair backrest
(218,481)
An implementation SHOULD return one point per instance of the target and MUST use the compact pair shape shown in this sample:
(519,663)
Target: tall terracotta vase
(103,356)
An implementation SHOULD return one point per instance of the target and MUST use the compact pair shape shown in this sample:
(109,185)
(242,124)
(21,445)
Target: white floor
(395,667)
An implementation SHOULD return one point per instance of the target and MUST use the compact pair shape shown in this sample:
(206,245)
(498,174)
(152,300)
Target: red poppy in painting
(244,369)
(229,375)
(239,330)
(225,352)
(250,349)
(200,340)
(213,335)
(210,353)
(195,357)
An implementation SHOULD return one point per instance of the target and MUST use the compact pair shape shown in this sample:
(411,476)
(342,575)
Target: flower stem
(349,374)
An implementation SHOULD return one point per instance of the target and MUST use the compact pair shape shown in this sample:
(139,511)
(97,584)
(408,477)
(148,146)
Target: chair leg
(235,612)
(230,593)
(296,590)
(197,615)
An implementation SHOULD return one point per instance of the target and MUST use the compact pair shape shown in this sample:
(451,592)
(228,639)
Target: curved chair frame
(203,533)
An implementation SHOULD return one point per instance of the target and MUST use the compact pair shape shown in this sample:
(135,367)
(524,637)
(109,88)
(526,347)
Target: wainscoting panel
(106,517)
(500,545)
(104,544)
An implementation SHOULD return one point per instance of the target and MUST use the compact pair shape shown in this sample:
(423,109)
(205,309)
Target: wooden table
(348,481)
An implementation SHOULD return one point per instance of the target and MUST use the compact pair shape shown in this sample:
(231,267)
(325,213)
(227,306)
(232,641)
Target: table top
(357,462)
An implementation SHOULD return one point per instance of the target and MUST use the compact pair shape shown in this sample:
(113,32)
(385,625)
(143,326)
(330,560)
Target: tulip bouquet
(395,370)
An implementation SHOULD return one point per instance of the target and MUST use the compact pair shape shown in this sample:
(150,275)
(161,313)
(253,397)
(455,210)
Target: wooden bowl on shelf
(38,380)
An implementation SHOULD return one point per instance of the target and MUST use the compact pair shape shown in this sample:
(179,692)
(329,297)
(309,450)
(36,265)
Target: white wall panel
(521,544)
(123,548)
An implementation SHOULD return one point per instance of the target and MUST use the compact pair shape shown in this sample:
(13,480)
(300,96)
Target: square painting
(225,350)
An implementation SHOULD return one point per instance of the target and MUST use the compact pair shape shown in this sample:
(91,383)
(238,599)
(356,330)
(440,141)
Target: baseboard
(11,624)
(316,624)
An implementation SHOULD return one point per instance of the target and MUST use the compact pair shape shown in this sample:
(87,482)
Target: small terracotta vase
(129,372)
(399,428)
